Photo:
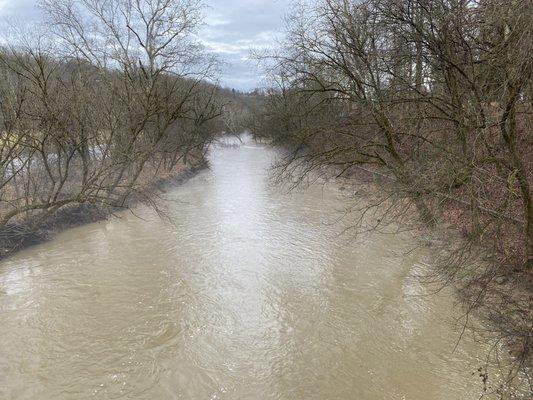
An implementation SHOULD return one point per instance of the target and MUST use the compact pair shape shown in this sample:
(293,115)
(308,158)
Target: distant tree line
(435,98)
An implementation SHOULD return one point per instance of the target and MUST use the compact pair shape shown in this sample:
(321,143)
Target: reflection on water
(249,294)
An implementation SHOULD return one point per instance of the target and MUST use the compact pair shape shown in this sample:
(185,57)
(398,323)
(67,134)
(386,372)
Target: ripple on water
(247,293)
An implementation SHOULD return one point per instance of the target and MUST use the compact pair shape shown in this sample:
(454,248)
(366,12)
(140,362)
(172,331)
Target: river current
(242,290)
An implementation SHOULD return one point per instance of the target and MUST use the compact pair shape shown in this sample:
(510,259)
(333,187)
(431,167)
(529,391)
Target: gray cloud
(25,10)
(236,26)
(232,28)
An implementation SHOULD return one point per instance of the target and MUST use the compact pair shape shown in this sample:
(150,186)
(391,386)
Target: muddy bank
(16,237)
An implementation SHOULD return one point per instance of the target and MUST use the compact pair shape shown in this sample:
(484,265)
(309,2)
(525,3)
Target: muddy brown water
(248,292)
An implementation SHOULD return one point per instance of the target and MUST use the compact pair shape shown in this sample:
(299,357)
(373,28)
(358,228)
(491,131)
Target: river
(241,291)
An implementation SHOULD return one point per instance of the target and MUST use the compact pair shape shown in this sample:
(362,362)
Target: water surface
(248,294)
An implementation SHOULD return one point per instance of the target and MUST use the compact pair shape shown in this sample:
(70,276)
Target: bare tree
(433,98)
(117,95)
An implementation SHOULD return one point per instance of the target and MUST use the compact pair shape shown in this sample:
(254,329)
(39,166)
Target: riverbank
(18,236)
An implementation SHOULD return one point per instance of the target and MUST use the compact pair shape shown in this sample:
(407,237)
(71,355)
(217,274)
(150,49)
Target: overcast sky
(233,27)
